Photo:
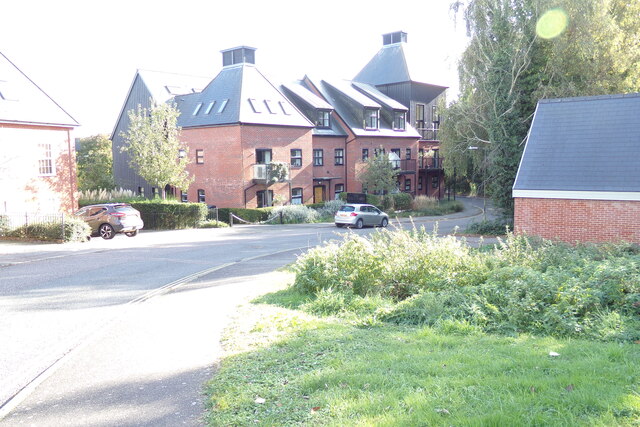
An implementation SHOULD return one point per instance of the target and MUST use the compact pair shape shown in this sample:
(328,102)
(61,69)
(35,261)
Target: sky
(84,54)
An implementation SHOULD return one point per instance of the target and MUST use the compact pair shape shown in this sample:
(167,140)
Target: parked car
(108,219)
(360,215)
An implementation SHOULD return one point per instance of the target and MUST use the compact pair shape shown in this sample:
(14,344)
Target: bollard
(230,219)
(281,220)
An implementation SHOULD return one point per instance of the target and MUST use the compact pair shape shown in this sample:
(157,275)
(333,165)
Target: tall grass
(88,197)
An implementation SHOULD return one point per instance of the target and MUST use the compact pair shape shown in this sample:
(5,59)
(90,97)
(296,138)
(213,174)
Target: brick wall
(578,220)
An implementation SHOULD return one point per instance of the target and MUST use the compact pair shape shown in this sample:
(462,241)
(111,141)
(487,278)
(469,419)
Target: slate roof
(583,144)
(164,86)
(22,101)
(394,63)
(309,104)
(238,94)
(350,99)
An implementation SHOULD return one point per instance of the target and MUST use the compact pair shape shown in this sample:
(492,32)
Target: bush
(423,203)
(74,230)
(329,209)
(249,215)
(402,201)
(522,285)
(5,225)
(92,197)
(170,215)
(295,214)
(496,227)
(212,224)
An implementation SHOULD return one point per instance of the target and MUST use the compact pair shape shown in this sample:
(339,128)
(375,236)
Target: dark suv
(111,218)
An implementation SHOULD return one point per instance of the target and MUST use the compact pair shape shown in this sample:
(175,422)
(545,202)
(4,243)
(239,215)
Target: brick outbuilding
(579,177)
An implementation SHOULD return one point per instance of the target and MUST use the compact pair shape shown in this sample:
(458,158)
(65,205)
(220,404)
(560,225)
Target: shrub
(422,203)
(402,201)
(249,215)
(496,227)
(212,224)
(329,208)
(73,230)
(170,215)
(92,197)
(5,225)
(295,214)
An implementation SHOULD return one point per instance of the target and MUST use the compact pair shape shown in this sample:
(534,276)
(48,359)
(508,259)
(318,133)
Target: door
(318,194)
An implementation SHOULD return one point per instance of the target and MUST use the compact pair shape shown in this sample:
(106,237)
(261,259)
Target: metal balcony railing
(407,165)
(270,173)
(430,163)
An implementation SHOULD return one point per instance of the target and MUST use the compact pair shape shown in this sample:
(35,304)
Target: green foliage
(5,224)
(378,175)
(170,215)
(329,209)
(153,147)
(73,230)
(95,163)
(496,227)
(520,286)
(402,201)
(212,223)
(506,68)
(249,215)
(295,214)
(93,197)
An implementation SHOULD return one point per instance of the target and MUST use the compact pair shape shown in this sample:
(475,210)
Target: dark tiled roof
(238,94)
(22,101)
(583,144)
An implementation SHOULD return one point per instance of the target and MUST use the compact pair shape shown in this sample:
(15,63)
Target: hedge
(163,215)
(249,215)
(73,230)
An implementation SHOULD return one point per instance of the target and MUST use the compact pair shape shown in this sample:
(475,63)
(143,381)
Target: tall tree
(153,144)
(379,175)
(507,67)
(95,163)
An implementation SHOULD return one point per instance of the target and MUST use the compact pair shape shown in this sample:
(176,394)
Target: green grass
(328,371)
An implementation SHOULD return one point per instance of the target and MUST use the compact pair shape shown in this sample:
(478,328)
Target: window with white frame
(296,158)
(296,196)
(323,119)
(371,118)
(199,156)
(45,160)
(338,189)
(318,157)
(201,198)
(339,156)
(399,120)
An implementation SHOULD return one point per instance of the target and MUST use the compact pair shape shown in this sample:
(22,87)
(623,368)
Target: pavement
(148,366)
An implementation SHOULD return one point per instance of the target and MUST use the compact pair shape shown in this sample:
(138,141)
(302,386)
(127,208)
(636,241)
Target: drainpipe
(72,191)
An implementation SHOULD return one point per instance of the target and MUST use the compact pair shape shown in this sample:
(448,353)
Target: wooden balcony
(405,165)
(431,163)
(270,173)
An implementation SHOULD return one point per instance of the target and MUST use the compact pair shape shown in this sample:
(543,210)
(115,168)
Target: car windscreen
(347,208)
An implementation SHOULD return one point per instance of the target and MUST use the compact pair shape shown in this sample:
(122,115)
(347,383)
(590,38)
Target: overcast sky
(85,53)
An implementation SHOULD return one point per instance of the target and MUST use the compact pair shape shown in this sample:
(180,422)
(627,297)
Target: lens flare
(552,23)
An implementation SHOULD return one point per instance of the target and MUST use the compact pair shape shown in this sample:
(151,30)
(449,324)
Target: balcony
(404,166)
(430,163)
(271,173)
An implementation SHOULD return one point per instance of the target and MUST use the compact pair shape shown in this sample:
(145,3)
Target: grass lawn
(287,367)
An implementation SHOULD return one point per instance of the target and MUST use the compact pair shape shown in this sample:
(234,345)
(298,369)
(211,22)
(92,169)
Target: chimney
(238,55)
(393,38)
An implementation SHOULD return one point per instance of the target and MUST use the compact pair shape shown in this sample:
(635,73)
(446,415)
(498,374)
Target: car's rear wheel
(359,223)
(106,231)
(339,225)
(384,222)
(131,233)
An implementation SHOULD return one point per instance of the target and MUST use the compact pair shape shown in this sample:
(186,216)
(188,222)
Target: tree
(153,144)
(378,175)
(95,162)
(507,67)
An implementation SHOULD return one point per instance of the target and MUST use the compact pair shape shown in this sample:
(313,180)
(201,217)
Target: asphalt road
(125,332)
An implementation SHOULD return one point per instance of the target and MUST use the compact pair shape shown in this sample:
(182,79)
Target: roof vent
(238,55)
(393,38)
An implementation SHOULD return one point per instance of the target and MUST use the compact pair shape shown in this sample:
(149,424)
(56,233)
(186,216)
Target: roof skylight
(223,105)
(197,109)
(285,108)
(210,107)
(254,105)
(272,110)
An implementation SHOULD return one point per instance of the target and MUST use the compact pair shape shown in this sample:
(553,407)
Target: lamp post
(484,183)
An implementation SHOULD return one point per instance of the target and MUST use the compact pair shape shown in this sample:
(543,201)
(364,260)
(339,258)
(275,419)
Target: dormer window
(399,120)
(323,119)
(371,118)
(254,105)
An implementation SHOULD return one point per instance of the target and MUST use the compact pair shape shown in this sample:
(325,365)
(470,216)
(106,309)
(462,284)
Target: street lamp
(484,183)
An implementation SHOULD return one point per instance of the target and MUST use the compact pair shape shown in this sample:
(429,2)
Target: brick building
(579,177)
(37,157)
(253,143)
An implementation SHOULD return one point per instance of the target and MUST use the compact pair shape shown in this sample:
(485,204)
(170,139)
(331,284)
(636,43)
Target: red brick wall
(578,220)
(330,169)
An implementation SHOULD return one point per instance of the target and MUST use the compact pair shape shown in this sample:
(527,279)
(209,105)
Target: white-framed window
(318,157)
(199,156)
(296,158)
(46,166)
(339,156)
(184,197)
(296,196)
(399,120)
(338,189)
(371,118)
(323,119)
(201,198)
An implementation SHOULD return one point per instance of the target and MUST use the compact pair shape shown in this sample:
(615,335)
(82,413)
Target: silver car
(360,215)
(110,218)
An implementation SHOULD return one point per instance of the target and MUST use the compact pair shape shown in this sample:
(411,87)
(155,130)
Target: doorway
(318,194)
